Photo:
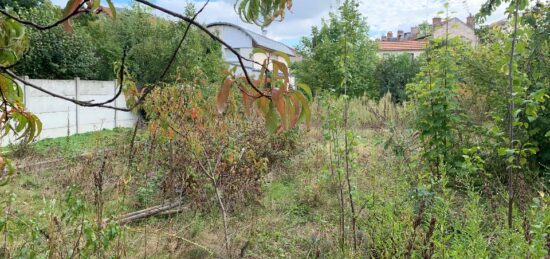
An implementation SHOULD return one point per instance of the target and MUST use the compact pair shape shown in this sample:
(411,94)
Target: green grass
(75,144)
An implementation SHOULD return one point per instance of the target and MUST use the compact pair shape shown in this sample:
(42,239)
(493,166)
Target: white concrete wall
(60,117)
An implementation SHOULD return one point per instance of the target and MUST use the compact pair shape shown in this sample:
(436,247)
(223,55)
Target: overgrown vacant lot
(292,210)
(431,144)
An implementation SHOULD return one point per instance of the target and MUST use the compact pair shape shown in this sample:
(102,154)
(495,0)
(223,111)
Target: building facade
(414,42)
(244,42)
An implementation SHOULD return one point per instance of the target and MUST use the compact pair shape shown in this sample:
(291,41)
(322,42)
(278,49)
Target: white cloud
(382,15)
(392,15)
(297,22)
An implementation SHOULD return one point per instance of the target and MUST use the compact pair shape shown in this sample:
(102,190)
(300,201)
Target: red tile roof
(401,45)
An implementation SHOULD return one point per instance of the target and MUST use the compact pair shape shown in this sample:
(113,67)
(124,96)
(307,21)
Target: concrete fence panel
(61,118)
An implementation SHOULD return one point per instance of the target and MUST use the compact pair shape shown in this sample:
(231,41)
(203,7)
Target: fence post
(115,84)
(77,97)
(25,92)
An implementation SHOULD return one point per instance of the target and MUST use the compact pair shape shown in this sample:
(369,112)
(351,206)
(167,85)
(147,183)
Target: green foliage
(151,41)
(20,4)
(97,42)
(56,54)
(486,72)
(439,116)
(14,118)
(59,228)
(273,97)
(262,12)
(393,73)
(424,29)
(322,54)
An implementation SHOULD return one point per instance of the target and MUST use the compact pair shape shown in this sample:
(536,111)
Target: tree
(56,54)
(424,29)
(150,41)
(14,43)
(20,4)
(393,73)
(320,67)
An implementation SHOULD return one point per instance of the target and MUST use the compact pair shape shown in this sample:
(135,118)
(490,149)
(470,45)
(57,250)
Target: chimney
(436,22)
(470,21)
(399,35)
(414,32)
(390,35)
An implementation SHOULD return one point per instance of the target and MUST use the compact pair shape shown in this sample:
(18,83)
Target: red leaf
(297,110)
(223,95)
(263,106)
(279,102)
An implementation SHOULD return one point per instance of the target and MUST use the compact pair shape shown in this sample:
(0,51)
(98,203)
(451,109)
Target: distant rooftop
(401,45)
(415,34)
(259,40)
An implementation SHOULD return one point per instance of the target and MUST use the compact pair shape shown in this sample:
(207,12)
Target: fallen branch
(159,210)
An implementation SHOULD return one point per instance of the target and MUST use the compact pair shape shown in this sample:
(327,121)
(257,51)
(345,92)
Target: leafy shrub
(393,73)
(56,54)
(197,144)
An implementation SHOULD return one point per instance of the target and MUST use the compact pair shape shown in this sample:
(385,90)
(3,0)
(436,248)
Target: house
(414,43)
(411,47)
(245,41)
(456,28)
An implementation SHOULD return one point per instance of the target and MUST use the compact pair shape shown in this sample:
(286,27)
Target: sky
(382,15)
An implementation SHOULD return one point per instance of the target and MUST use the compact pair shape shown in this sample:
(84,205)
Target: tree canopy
(321,67)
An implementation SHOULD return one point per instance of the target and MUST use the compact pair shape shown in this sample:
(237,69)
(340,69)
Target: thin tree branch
(511,115)
(77,11)
(190,21)
(211,35)
(174,55)
(77,102)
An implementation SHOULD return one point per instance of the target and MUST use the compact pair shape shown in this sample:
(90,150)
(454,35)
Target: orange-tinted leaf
(289,112)
(263,106)
(297,110)
(194,113)
(281,67)
(223,95)
(105,10)
(171,134)
(279,102)
(262,71)
(70,8)
(112,7)
(247,101)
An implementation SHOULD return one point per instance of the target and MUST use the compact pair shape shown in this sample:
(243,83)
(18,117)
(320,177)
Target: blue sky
(382,15)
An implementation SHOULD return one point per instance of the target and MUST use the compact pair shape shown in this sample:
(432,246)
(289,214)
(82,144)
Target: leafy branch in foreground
(262,12)
(14,117)
(285,108)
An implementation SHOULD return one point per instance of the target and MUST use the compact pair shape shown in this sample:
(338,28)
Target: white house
(244,41)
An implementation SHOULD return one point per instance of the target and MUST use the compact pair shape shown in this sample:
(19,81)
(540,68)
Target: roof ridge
(259,37)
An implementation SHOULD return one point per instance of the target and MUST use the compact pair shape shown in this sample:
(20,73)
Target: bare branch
(211,35)
(190,21)
(77,102)
(181,42)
